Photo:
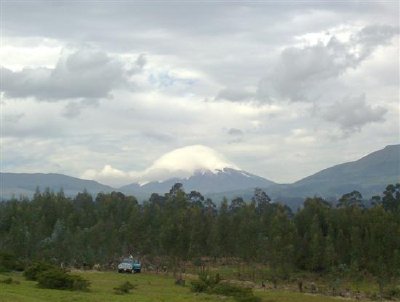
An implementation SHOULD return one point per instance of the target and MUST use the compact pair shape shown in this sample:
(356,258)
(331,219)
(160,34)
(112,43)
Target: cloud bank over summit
(183,162)
(178,163)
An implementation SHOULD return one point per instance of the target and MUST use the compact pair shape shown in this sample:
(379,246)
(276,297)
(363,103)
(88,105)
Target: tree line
(319,237)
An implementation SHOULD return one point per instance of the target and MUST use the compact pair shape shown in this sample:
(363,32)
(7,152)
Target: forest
(179,227)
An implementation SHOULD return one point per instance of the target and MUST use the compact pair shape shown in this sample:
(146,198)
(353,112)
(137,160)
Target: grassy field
(150,287)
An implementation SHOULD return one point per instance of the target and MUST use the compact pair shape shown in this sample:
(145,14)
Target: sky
(110,90)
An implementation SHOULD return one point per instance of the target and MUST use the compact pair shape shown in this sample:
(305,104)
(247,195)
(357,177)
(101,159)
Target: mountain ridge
(205,181)
(369,175)
(26,183)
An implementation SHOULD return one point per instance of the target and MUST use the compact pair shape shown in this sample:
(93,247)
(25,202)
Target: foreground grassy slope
(154,288)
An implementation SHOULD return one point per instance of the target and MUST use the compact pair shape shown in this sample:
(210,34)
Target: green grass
(284,296)
(150,287)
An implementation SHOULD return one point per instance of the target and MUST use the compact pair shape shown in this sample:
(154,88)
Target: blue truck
(129,265)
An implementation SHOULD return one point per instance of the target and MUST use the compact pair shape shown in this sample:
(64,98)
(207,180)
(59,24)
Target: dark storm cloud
(86,73)
(351,114)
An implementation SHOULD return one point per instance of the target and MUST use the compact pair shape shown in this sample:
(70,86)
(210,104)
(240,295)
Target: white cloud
(184,161)
(301,73)
(108,175)
(74,108)
(235,94)
(161,64)
(181,162)
(17,53)
(84,73)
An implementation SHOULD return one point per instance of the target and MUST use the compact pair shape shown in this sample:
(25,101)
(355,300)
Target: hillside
(26,183)
(204,181)
(369,175)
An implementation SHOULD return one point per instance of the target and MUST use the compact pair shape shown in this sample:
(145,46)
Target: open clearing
(150,287)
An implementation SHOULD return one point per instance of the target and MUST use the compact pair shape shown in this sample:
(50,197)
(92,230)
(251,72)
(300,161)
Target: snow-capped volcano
(184,163)
(197,167)
(179,163)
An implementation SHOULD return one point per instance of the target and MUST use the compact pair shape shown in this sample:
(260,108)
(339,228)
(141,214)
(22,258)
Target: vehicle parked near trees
(129,265)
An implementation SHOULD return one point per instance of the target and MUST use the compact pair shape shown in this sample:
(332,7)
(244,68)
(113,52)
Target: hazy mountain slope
(25,184)
(369,175)
(376,167)
(204,181)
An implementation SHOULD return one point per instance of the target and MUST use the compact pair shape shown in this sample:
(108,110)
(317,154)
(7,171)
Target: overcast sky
(283,89)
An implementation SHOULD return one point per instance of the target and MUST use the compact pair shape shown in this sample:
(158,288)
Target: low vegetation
(10,262)
(59,279)
(9,280)
(124,288)
(331,242)
(33,271)
(150,288)
(50,276)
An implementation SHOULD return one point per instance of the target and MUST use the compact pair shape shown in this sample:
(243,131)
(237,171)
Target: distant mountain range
(205,181)
(25,184)
(369,175)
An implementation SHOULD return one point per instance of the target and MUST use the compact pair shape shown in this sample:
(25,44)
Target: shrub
(240,294)
(180,282)
(212,285)
(227,289)
(198,286)
(9,262)
(59,279)
(34,270)
(54,278)
(78,283)
(205,282)
(393,292)
(124,288)
(9,281)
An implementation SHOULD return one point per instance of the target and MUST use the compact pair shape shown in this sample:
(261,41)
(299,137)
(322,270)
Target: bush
(54,278)
(58,279)
(9,262)
(393,292)
(78,283)
(205,282)
(211,284)
(198,286)
(34,270)
(240,294)
(375,296)
(227,289)
(9,281)
(124,288)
